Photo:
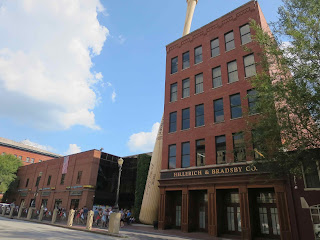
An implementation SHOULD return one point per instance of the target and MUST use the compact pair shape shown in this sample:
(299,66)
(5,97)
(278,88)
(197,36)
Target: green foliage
(142,174)
(288,88)
(9,165)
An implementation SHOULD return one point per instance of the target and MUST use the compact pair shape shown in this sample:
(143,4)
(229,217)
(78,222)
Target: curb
(71,228)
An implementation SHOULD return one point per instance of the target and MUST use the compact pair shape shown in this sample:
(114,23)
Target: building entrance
(173,209)
(229,216)
(264,214)
(198,211)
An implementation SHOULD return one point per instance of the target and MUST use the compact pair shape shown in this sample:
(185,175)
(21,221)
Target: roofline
(188,35)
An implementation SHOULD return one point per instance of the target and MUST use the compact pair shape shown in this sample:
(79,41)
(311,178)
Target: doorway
(228,212)
(264,216)
(173,209)
(198,211)
(74,204)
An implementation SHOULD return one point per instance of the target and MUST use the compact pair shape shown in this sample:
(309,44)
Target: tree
(288,89)
(9,165)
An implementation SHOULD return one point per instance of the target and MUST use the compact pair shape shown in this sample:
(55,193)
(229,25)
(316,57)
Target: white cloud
(113,96)
(37,145)
(46,52)
(144,141)
(121,39)
(73,148)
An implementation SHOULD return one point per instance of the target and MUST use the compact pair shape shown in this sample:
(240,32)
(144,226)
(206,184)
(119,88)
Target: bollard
(41,214)
(114,223)
(30,210)
(20,210)
(54,215)
(89,220)
(11,212)
(4,209)
(70,218)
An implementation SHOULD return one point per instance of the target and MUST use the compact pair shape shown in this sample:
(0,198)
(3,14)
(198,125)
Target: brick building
(207,182)
(91,177)
(26,153)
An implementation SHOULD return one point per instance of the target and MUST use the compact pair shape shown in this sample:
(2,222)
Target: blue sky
(89,74)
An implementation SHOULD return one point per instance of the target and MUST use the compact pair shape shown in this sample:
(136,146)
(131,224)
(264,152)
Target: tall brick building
(26,153)
(207,182)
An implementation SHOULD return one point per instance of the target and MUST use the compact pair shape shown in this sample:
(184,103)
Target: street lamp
(116,206)
(36,193)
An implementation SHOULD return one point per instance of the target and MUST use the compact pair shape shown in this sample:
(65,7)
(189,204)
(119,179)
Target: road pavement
(12,229)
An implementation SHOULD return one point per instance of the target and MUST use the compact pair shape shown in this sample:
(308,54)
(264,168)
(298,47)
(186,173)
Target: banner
(65,164)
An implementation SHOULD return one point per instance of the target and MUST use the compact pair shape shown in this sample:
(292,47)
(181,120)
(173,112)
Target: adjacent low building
(26,153)
(83,179)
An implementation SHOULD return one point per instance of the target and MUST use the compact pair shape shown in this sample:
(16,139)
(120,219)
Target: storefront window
(315,216)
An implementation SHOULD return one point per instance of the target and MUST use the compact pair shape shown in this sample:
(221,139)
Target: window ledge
(198,63)
(236,118)
(174,73)
(185,97)
(200,126)
(218,122)
(231,49)
(217,87)
(198,93)
(233,82)
(312,189)
(249,77)
(183,130)
(172,132)
(215,56)
(254,114)
(173,101)
(185,68)
(245,43)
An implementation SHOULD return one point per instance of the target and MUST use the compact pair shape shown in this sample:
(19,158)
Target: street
(16,229)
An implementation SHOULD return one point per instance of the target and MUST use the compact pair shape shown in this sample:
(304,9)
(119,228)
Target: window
(173,92)
(199,115)
(32,160)
(172,156)
(249,65)
(218,110)
(232,71)
(185,155)
(252,100)
(221,149)
(215,50)
(15,155)
(235,105)
(239,149)
(20,157)
(229,39)
(185,88)
(173,122)
(49,180)
(198,55)
(62,179)
(174,65)
(79,177)
(27,183)
(40,160)
(27,159)
(199,83)
(38,181)
(185,60)
(216,77)
(245,34)
(200,152)
(311,175)
(185,119)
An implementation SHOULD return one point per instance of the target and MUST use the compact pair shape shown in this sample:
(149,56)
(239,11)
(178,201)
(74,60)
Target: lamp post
(36,193)
(116,206)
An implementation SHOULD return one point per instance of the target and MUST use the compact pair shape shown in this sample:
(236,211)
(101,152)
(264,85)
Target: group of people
(101,217)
